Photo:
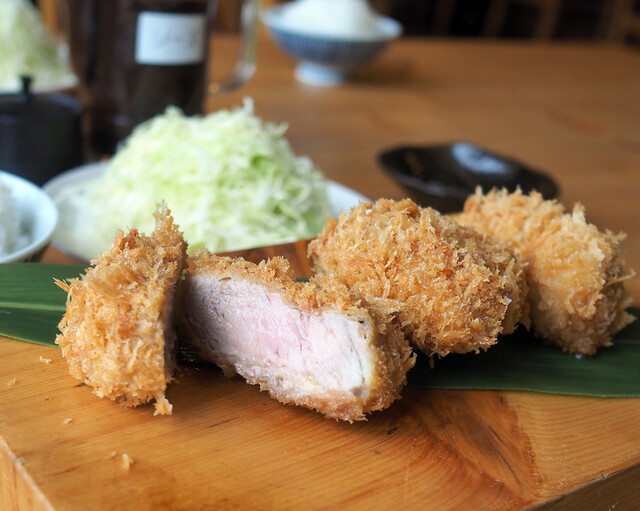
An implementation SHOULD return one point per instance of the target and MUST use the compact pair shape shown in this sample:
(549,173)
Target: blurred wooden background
(616,21)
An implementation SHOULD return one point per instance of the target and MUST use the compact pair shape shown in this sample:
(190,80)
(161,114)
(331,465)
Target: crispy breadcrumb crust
(392,352)
(454,290)
(575,272)
(117,332)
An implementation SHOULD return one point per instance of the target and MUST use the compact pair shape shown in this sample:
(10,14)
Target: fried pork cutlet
(306,343)
(454,290)
(575,272)
(117,334)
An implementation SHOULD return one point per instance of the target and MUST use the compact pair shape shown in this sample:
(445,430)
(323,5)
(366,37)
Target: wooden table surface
(572,110)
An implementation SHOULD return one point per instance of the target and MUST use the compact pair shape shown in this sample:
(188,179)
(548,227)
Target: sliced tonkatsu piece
(575,272)
(454,290)
(306,343)
(117,334)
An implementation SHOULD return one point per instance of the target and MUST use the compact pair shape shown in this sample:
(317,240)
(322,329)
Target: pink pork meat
(306,343)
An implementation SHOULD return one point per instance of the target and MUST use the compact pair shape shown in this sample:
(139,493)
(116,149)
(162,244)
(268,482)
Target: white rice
(11,236)
(331,18)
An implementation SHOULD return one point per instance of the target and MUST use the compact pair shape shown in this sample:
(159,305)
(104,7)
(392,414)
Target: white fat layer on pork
(251,329)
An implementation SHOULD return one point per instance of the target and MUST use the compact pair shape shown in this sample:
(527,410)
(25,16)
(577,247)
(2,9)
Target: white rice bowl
(28,218)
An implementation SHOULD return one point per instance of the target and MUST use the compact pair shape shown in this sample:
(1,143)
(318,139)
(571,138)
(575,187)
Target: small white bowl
(328,59)
(38,217)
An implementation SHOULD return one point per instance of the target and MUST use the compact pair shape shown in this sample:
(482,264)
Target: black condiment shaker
(40,134)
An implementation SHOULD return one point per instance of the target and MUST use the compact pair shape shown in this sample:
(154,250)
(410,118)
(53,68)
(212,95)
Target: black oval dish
(443,176)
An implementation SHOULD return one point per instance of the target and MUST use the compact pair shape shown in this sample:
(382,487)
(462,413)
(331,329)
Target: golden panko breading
(117,333)
(454,290)
(575,272)
(311,344)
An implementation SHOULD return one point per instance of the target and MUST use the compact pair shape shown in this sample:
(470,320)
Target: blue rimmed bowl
(328,59)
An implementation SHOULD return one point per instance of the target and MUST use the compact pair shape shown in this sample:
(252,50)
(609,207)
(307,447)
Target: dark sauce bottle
(136,57)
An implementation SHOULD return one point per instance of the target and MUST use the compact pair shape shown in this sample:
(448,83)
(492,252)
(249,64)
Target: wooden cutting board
(229,446)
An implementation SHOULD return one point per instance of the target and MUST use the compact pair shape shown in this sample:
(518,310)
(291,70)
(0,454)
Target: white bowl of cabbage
(230,179)
(28,218)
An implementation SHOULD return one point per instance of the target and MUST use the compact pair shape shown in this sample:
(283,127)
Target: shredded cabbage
(27,48)
(230,179)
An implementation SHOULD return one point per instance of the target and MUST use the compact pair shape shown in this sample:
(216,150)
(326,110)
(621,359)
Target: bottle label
(170,39)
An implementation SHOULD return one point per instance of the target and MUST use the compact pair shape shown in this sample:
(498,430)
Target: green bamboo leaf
(31,305)
(521,362)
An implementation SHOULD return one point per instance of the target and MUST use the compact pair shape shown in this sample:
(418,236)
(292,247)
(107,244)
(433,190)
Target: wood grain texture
(570,109)
(229,446)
